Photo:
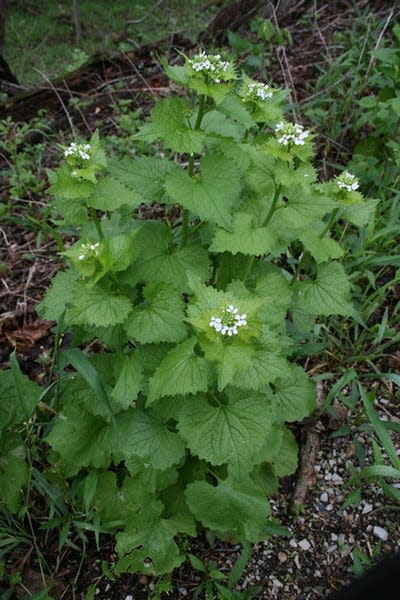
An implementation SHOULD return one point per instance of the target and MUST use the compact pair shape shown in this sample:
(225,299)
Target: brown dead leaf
(25,338)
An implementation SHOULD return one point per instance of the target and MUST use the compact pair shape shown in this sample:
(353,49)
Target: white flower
(78,151)
(257,91)
(291,133)
(229,321)
(347,181)
(209,64)
(89,251)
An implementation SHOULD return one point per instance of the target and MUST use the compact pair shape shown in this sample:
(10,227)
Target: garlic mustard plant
(78,151)
(259,91)
(178,422)
(229,321)
(291,133)
(347,181)
(210,65)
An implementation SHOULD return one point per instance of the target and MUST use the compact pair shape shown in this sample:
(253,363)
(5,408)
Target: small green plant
(254,51)
(215,584)
(376,156)
(23,159)
(386,464)
(363,560)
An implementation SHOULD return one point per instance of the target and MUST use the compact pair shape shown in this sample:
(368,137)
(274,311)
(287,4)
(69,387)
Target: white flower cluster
(347,181)
(257,91)
(80,151)
(89,251)
(291,133)
(229,321)
(209,64)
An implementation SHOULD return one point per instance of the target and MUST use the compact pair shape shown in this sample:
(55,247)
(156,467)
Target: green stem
(330,222)
(186,212)
(97,223)
(267,219)
(271,211)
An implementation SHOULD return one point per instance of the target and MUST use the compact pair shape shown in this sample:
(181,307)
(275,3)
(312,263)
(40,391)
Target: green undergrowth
(40,37)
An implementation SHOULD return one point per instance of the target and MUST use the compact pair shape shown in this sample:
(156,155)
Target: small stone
(324,497)
(328,476)
(297,561)
(367,508)
(380,533)
(282,557)
(276,583)
(129,597)
(182,590)
(334,537)
(337,478)
(329,507)
(305,544)
(293,543)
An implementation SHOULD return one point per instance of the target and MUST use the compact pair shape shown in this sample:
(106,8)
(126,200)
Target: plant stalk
(267,219)
(186,212)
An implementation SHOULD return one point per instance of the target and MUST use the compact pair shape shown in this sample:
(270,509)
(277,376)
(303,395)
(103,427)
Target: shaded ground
(318,553)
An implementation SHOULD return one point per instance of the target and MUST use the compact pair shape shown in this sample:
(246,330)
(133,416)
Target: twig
(59,98)
(307,460)
(146,16)
(378,41)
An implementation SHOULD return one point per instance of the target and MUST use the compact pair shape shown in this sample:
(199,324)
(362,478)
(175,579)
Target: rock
(282,557)
(367,508)
(380,533)
(305,544)
(324,497)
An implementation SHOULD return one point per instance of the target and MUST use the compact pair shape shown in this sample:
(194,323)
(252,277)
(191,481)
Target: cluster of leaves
(376,155)
(174,425)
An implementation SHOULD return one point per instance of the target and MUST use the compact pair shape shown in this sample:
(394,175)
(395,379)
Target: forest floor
(324,538)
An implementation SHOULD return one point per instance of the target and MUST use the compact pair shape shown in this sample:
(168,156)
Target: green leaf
(328,295)
(66,186)
(151,479)
(360,214)
(170,122)
(274,288)
(144,175)
(149,547)
(302,208)
(210,194)
(267,364)
(285,462)
(129,379)
(233,107)
(181,372)
(81,439)
(160,260)
(18,395)
(90,374)
(160,318)
(322,249)
(58,296)
(109,194)
(244,237)
(214,123)
(230,356)
(232,433)
(294,395)
(239,507)
(144,435)
(14,472)
(98,306)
